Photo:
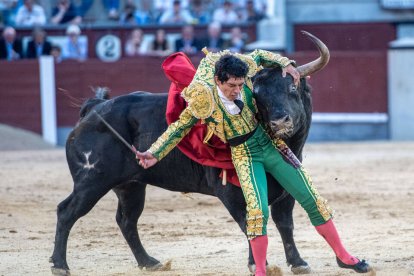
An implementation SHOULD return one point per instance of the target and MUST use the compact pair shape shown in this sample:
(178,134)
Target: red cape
(180,71)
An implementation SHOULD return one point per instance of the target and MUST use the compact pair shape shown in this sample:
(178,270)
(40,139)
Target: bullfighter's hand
(293,72)
(146,159)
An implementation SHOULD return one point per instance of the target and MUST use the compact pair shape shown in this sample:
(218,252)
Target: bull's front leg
(281,211)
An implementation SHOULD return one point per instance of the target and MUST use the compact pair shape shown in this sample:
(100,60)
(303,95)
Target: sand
(370,185)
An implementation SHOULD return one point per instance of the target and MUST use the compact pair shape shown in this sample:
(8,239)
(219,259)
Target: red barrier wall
(346,36)
(20,95)
(351,82)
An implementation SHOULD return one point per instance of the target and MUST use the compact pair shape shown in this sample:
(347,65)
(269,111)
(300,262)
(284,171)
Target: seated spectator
(259,5)
(199,13)
(187,43)
(65,12)
(6,9)
(226,14)
(56,53)
(250,13)
(236,42)
(30,14)
(134,45)
(161,6)
(160,44)
(176,15)
(75,47)
(38,45)
(143,14)
(128,14)
(214,42)
(112,7)
(10,47)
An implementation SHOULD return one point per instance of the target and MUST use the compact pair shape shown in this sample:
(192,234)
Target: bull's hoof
(60,271)
(151,268)
(301,269)
(155,265)
(252,268)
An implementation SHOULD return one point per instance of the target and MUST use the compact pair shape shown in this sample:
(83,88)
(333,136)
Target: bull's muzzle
(283,127)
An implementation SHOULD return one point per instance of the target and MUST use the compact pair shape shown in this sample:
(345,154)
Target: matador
(220,95)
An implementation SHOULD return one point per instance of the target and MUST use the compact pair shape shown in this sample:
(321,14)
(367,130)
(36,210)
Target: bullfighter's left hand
(290,69)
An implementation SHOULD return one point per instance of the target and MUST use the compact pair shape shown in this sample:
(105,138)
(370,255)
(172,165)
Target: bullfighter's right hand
(146,159)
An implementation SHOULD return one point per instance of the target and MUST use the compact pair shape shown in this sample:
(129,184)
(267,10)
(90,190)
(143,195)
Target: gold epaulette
(200,100)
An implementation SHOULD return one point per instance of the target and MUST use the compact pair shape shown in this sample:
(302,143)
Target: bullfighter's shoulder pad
(200,100)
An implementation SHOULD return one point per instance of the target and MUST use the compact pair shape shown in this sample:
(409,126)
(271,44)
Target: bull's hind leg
(76,205)
(282,216)
(131,200)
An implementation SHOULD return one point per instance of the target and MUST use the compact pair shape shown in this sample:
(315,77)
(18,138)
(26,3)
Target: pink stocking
(259,249)
(329,233)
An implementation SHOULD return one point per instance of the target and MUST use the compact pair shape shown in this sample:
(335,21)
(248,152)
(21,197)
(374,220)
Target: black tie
(239,104)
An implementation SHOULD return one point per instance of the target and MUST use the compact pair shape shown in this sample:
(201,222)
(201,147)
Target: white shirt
(230,106)
(24,17)
(220,15)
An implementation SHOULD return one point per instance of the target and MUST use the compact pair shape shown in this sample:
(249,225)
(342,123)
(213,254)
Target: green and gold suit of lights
(254,157)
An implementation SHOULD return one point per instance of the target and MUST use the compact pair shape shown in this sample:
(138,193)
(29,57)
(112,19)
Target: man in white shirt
(30,14)
(176,15)
(226,14)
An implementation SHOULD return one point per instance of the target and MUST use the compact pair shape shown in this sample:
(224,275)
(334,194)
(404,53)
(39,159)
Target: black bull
(99,162)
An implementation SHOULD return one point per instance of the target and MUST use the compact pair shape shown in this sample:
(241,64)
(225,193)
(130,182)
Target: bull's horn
(319,63)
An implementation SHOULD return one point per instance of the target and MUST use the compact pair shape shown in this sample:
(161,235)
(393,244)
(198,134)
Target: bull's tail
(101,94)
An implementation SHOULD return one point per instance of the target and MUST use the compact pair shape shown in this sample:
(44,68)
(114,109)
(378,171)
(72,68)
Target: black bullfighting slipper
(360,266)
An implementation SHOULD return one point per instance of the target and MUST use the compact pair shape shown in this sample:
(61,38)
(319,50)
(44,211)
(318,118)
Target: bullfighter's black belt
(234,142)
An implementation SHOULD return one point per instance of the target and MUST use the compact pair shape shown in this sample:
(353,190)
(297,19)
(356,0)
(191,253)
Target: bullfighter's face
(231,88)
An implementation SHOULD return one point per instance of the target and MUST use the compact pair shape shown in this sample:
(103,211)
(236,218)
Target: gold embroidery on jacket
(199,99)
(174,133)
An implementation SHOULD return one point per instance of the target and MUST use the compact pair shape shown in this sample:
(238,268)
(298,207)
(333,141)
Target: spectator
(38,45)
(259,5)
(65,12)
(6,8)
(199,13)
(134,45)
(236,42)
(214,42)
(56,53)
(176,15)
(187,43)
(112,7)
(75,47)
(128,14)
(160,6)
(250,13)
(10,47)
(144,15)
(168,4)
(226,14)
(160,44)
(30,14)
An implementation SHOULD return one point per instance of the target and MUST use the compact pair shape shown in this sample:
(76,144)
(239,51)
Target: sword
(131,147)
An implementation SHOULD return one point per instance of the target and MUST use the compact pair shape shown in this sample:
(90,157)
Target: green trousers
(260,154)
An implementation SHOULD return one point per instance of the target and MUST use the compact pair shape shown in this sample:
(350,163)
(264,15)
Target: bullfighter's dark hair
(229,66)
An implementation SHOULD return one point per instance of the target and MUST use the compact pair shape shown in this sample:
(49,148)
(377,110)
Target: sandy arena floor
(370,185)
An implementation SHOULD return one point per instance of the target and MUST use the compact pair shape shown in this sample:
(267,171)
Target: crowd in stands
(72,14)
